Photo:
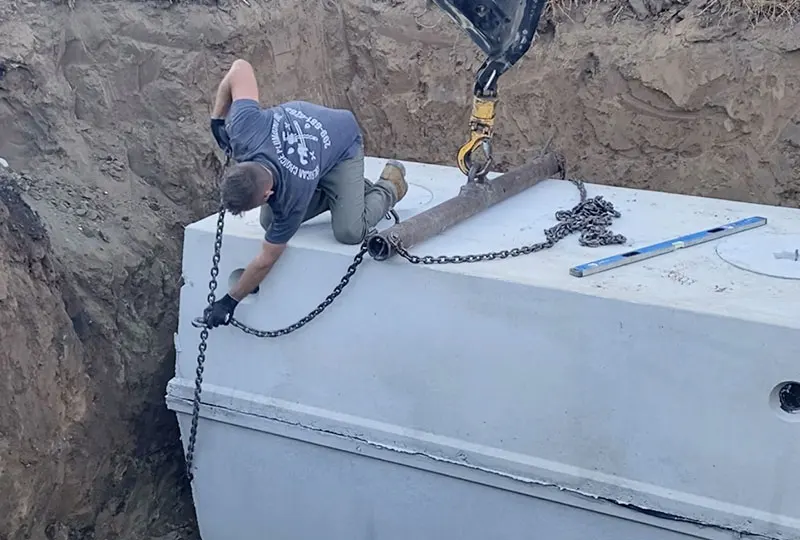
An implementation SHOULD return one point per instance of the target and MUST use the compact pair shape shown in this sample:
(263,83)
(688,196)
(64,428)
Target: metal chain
(590,217)
(201,356)
(351,270)
(201,348)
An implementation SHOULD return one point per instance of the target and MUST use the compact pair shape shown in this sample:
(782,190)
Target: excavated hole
(116,123)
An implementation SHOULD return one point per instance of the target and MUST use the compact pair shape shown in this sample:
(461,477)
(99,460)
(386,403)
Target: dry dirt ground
(103,120)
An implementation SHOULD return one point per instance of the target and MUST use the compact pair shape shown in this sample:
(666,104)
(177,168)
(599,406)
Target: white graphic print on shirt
(298,140)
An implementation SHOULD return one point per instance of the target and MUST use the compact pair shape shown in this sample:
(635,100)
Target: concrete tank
(504,399)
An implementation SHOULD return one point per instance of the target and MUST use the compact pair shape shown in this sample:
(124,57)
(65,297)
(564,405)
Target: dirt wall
(104,108)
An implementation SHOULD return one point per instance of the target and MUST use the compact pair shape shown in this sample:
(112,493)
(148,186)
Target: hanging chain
(201,356)
(201,348)
(590,217)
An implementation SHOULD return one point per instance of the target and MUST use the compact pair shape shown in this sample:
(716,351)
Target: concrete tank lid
(696,278)
(767,254)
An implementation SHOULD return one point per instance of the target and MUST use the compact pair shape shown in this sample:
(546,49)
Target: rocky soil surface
(103,123)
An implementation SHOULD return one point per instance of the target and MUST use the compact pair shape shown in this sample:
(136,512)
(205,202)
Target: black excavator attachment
(504,31)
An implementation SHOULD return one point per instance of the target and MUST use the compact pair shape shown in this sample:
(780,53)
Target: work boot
(395,174)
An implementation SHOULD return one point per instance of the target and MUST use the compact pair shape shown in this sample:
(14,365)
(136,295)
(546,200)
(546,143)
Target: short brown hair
(240,188)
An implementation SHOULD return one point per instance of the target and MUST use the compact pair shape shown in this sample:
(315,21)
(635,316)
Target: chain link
(590,217)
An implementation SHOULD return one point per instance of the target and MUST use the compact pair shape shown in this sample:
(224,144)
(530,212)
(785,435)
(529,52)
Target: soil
(104,113)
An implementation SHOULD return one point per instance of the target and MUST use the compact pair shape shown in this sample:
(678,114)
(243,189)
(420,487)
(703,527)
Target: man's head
(245,186)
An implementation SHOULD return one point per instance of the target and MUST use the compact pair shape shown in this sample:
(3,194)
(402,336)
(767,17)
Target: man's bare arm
(257,270)
(222,103)
(238,83)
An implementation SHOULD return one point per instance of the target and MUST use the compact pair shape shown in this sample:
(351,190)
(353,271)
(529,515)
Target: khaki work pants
(356,204)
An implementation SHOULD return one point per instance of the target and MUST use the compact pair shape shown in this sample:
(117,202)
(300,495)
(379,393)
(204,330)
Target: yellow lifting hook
(481,125)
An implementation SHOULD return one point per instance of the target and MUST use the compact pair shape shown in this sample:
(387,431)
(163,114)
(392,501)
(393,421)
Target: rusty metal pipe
(473,198)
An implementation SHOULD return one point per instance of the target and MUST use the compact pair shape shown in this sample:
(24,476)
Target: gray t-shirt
(302,141)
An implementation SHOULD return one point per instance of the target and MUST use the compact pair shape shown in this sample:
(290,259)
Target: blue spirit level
(654,250)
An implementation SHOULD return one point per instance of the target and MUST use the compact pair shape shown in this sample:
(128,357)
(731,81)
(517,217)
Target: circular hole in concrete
(789,397)
(234,278)
(785,399)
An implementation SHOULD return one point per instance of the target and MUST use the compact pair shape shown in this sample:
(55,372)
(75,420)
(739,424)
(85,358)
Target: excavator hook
(504,31)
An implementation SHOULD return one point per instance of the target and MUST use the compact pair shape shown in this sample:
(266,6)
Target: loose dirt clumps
(104,109)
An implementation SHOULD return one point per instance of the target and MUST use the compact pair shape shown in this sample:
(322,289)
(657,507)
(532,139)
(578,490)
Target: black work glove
(220,312)
(220,134)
